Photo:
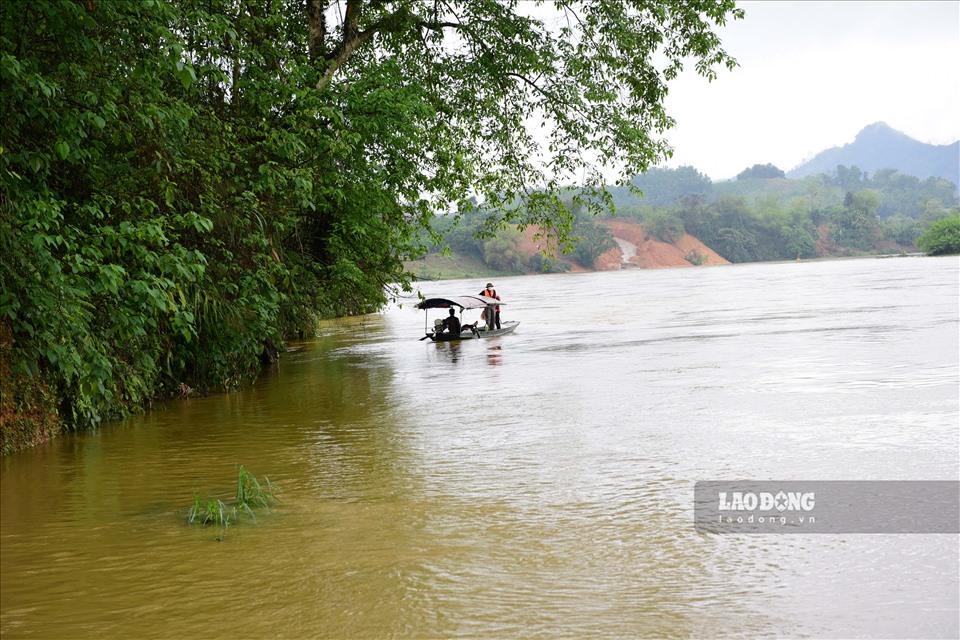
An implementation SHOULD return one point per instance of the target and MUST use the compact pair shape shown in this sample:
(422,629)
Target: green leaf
(62,149)
(186,75)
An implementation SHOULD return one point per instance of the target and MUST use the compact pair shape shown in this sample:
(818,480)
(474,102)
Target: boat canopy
(464,302)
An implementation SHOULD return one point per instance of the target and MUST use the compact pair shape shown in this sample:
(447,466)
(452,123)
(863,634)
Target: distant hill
(879,146)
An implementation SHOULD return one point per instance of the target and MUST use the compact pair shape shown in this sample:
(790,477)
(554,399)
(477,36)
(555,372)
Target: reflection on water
(536,483)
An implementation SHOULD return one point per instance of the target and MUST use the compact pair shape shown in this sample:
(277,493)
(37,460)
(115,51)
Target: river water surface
(535,484)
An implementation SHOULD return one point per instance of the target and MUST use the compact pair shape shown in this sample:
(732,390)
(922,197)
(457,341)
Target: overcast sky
(812,74)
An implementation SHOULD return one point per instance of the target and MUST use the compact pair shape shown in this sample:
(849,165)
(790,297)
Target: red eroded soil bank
(653,253)
(685,251)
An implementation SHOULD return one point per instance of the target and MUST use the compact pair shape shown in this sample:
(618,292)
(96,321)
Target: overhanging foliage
(183,180)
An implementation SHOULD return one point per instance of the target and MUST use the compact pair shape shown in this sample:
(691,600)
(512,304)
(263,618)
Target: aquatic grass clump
(211,512)
(250,494)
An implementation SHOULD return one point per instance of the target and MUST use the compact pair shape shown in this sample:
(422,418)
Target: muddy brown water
(536,484)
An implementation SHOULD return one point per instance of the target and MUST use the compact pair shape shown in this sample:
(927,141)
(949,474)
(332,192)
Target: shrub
(540,263)
(665,227)
(942,237)
(502,252)
(591,240)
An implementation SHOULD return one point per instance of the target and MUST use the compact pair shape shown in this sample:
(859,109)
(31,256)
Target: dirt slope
(688,243)
(653,253)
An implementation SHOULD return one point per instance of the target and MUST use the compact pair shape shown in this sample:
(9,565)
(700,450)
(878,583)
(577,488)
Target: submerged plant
(211,512)
(251,494)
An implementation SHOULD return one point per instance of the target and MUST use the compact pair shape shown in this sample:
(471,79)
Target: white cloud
(812,75)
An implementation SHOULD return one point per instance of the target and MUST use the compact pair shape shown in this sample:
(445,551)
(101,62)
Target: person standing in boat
(492,316)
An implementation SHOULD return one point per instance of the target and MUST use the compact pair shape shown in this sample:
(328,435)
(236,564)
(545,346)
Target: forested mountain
(879,146)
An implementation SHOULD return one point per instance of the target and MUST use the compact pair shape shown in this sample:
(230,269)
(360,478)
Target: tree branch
(353,38)
(342,54)
(350,21)
(317,29)
(436,25)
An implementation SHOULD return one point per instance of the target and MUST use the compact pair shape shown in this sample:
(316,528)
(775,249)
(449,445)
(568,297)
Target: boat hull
(467,334)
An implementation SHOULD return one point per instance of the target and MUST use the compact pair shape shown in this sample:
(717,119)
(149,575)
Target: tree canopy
(181,181)
(942,237)
(762,171)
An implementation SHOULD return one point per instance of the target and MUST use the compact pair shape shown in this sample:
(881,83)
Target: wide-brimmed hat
(489,284)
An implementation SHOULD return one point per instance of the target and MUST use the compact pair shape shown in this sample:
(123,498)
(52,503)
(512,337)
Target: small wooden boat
(468,332)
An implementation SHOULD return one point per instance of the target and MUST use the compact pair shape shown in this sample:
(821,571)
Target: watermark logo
(766,501)
(799,506)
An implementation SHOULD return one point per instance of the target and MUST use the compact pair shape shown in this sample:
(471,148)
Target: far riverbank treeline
(762,215)
(185,184)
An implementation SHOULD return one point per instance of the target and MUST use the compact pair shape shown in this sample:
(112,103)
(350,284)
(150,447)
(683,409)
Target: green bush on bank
(942,237)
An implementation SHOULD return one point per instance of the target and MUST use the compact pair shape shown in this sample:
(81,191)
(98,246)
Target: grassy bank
(453,267)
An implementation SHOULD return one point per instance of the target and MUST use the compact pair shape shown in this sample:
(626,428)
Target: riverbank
(532,253)
(437,266)
(458,266)
(28,407)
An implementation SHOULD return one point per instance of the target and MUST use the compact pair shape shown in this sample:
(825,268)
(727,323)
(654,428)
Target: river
(535,484)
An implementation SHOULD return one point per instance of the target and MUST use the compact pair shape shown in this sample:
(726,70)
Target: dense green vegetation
(759,216)
(765,171)
(183,182)
(942,238)
(480,250)
(752,218)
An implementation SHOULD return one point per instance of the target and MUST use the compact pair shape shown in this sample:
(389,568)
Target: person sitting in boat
(491,315)
(451,324)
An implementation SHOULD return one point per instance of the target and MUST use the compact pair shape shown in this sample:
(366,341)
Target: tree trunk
(317,26)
